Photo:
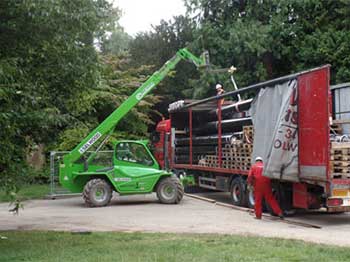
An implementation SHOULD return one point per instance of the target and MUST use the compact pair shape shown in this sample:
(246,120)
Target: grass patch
(31,191)
(137,247)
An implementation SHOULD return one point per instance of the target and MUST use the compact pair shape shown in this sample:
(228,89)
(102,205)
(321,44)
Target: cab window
(133,153)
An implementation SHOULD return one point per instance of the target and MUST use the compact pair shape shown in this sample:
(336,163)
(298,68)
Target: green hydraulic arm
(108,125)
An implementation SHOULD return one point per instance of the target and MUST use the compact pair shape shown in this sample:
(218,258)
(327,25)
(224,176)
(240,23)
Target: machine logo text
(89,143)
(142,93)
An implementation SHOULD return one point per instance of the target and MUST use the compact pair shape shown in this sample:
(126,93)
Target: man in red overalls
(262,189)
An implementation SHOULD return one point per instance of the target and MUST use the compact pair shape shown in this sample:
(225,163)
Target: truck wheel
(238,192)
(250,198)
(170,190)
(284,198)
(97,193)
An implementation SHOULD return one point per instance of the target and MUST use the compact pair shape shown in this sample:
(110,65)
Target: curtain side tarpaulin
(275,118)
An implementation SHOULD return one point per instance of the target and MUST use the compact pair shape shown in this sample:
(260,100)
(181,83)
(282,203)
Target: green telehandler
(134,169)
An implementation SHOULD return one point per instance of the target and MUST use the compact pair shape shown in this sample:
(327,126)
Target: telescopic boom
(108,125)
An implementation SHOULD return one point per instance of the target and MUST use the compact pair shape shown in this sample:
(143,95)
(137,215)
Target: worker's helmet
(258,159)
(218,86)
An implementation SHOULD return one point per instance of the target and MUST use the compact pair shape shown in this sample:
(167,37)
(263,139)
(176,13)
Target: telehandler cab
(133,169)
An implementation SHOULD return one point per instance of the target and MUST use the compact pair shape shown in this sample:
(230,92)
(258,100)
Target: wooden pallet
(211,161)
(341,175)
(248,133)
(340,160)
(340,157)
(234,156)
(337,163)
(341,169)
(340,152)
(202,162)
(337,127)
(240,155)
(340,145)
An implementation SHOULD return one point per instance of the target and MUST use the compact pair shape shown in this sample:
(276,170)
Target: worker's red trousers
(262,190)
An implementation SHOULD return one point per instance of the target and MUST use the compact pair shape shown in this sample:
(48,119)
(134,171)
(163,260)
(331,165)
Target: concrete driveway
(144,213)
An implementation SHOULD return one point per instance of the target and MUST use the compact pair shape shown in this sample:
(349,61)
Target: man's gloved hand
(250,187)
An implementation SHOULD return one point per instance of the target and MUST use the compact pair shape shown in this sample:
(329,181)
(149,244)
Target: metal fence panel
(104,158)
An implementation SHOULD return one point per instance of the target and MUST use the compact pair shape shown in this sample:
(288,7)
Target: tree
(48,65)
(117,43)
(154,48)
(270,38)
(119,79)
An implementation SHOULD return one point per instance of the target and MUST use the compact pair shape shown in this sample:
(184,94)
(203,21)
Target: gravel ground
(144,213)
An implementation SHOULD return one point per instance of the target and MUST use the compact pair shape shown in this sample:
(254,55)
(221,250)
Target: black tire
(250,198)
(237,192)
(93,190)
(170,190)
(284,197)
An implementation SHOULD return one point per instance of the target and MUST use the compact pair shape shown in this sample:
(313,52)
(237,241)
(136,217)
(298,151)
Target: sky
(139,15)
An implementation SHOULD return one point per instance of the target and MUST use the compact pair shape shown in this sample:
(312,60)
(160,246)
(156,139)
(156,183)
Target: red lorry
(215,142)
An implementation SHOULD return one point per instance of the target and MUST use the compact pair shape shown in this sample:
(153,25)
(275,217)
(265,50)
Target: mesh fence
(103,158)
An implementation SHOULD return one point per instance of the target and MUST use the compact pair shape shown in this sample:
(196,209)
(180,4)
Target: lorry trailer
(288,121)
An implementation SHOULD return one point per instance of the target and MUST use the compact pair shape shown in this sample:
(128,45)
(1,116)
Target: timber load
(340,160)
(197,134)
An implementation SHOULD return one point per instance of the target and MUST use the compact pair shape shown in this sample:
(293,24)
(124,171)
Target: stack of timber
(209,161)
(336,128)
(248,134)
(201,142)
(340,160)
(235,155)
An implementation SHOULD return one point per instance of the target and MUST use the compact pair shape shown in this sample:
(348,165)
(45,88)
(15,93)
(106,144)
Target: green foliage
(70,137)
(55,86)
(119,79)
(266,39)
(117,246)
(156,47)
(27,191)
(48,61)
(117,43)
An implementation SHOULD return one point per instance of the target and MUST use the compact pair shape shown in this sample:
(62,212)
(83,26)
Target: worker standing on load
(262,189)
(219,91)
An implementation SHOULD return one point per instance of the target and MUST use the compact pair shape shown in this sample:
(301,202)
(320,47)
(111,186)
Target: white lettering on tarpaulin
(286,146)
(282,160)
(89,143)
(143,92)
(287,140)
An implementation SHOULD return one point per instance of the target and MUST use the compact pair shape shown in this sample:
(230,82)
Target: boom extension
(112,120)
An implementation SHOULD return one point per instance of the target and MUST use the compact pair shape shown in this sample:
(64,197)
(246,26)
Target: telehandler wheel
(170,190)
(97,193)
